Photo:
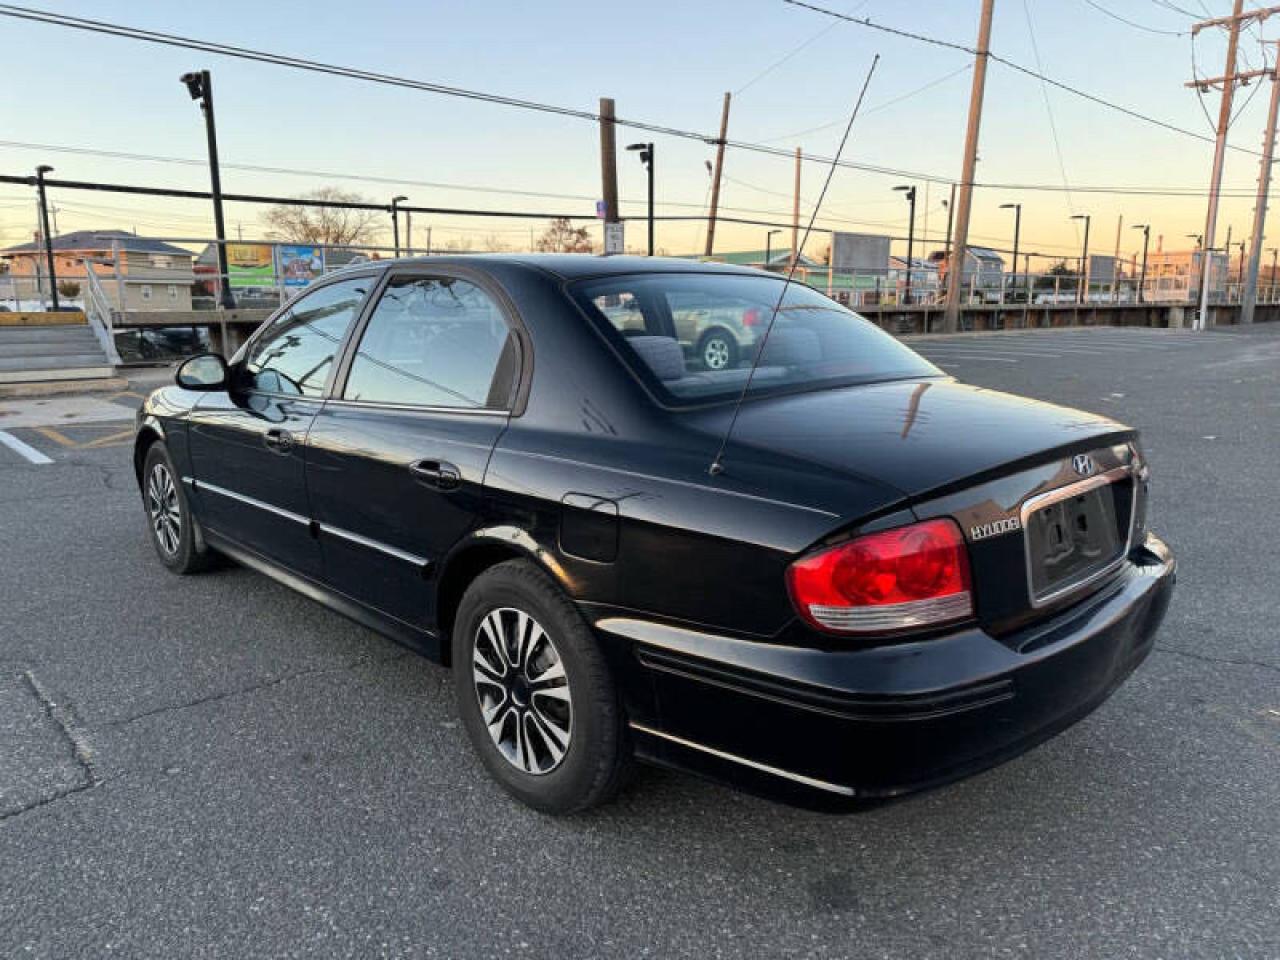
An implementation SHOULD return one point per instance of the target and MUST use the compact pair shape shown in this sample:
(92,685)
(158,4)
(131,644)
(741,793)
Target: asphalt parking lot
(215,766)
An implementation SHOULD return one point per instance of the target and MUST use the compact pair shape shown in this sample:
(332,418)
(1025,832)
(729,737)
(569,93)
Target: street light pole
(200,85)
(646,157)
(44,229)
(1082,289)
(911,239)
(1272,285)
(1146,241)
(395,222)
(1017,230)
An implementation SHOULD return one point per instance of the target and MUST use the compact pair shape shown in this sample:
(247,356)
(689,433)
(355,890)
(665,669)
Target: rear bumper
(859,725)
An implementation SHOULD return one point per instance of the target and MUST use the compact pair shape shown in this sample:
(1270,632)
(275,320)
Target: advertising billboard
(299,265)
(250,265)
(859,253)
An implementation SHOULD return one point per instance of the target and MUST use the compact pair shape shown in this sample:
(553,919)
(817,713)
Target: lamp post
(200,85)
(1146,241)
(1017,229)
(768,246)
(1272,285)
(1082,291)
(911,239)
(44,229)
(1240,274)
(395,222)
(646,157)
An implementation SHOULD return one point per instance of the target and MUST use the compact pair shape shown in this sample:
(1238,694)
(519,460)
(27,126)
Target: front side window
(693,337)
(295,354)
(434,341)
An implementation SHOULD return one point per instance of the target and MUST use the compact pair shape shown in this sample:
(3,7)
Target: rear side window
(295,354)
(434,341)
(693,337)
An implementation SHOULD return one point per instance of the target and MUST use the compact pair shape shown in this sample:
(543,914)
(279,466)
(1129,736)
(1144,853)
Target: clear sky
(791,71)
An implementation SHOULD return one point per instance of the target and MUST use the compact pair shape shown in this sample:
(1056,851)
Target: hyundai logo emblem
(1083,464)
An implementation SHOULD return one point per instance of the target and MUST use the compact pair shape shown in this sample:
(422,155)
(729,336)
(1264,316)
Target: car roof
(575,266)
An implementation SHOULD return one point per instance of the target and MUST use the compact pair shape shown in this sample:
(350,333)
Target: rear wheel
(534,692)
(172,526)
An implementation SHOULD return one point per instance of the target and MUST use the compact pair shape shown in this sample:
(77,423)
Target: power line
(1133,23)
(1017,67)
(315,66)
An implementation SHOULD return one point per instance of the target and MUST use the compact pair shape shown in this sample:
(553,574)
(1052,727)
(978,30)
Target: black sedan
(824,571)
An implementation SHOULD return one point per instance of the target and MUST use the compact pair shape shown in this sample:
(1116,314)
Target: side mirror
(206,371)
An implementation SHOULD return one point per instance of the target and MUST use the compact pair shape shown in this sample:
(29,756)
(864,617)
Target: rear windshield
(692,337)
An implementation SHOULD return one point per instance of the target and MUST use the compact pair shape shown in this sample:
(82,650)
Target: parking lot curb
(55,387)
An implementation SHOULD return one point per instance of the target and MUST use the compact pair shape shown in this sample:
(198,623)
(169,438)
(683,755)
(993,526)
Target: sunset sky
(794,74)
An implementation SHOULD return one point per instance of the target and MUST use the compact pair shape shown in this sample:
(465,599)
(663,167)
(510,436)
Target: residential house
(134,273)
(1173,276)
(982,271)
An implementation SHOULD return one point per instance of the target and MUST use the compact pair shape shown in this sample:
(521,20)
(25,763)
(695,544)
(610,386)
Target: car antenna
(717,464)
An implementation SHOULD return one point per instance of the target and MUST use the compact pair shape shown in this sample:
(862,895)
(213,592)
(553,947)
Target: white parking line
(24,450)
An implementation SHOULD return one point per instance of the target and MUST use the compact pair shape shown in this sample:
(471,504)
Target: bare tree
(563,237)
(333,225)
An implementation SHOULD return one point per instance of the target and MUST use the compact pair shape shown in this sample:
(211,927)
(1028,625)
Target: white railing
(97,310)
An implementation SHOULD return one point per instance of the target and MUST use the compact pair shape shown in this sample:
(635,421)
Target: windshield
(692,337)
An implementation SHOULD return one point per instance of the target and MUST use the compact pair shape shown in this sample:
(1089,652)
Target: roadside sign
(613,238)
(249,265)
(601,210)
(299,265)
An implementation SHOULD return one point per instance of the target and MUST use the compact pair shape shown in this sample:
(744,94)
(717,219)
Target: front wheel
(534,692)
(169,519)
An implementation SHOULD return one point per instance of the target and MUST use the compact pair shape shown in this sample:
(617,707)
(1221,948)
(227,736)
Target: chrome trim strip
(374,545)
(418,408)
(1032,504)
(232,495)
(763,767)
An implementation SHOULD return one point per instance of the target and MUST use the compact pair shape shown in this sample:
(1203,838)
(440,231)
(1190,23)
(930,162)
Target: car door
(397,455)
(248,445)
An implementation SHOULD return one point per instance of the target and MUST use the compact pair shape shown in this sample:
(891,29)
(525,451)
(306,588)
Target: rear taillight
(902,579)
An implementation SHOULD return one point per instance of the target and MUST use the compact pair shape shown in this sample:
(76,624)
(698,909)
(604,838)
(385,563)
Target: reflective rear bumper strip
(754,765)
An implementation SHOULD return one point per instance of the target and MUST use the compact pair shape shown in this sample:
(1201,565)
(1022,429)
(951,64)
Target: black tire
(717,349)
(182,550)
(597,756)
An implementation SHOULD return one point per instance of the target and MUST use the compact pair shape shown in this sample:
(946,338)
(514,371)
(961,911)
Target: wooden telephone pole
(1227,82)
(608,163)
(959,251)
(1249,295)
(715,177)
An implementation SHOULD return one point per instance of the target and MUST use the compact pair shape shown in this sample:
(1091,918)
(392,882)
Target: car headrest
(662,354)
(793,346)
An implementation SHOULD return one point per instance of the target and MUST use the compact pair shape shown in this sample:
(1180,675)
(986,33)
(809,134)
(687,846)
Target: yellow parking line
(108,441)
(56,437)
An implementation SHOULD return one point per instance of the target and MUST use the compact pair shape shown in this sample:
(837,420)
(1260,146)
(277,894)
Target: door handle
(436,473)
(281,441)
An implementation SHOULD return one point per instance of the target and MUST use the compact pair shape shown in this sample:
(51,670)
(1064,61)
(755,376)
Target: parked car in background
(861,579)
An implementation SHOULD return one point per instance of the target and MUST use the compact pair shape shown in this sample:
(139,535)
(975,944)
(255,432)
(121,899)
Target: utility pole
(1227,82)
(795,213)
(200,86)
(951,319)
(44,229)
(1146,243)
(608,164)
(715,176)
(1249,295)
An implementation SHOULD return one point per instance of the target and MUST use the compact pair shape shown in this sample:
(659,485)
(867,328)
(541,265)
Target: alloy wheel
(715,353)
(523,690)
(162,505)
